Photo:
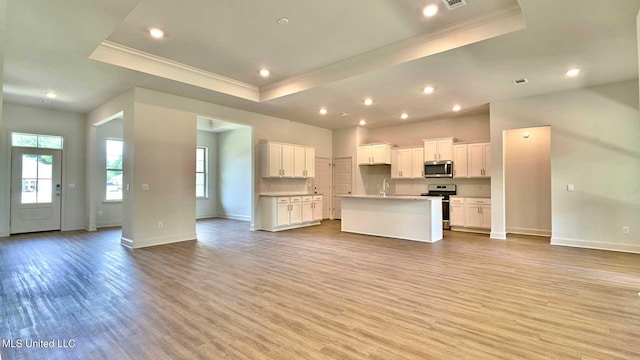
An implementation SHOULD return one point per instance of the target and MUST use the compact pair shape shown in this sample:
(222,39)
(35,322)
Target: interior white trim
(496,23)
(499,22)
(590,244)
(526,231)
(160,240)
(123,56)
(235,217)
(498,235)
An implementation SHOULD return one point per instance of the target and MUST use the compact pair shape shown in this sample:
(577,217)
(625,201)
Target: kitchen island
(417,218)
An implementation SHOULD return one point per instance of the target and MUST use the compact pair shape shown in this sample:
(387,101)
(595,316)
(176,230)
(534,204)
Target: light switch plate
(145,187)
(570,188)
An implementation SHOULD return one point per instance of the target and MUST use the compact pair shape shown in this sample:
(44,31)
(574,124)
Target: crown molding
(490,25)
(123,56)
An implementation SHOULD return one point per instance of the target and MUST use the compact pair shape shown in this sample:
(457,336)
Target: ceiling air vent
(520,81)
(452,4)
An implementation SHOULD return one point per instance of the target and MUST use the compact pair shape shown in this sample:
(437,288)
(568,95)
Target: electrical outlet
(160,225)
(625,230)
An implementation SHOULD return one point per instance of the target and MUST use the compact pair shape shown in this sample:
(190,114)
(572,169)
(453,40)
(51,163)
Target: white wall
(595,145)
(234,176)
(122,106)
(263,128)
(470,128)
(527,176)
(4,176)
(164,159)
(109,213)
(70,125)
(207,207)
(464,129)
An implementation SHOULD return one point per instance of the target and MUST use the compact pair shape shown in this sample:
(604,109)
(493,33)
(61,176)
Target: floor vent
(452,4)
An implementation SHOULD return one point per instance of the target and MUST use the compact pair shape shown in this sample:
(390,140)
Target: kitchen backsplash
(374,175)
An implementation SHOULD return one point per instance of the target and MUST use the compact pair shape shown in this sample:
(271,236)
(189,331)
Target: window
(37,178)
(114,170)
(36,141)
(201,172)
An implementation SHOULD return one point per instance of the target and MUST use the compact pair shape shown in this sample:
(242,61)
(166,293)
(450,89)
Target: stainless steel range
(445,191)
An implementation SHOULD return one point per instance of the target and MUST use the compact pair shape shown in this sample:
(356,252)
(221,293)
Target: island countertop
(417,218)
(393,197)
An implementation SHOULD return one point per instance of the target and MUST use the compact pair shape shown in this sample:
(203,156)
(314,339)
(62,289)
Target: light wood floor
(316,293)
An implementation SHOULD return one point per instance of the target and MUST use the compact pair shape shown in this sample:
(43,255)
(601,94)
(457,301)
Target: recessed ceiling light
(404,116)
(156,33)
(323,111)
(456,108)
(430,10)
(368,101)
(265,72)
(363,122)
(283,21)
(573,72)
(428,89)
(51,95)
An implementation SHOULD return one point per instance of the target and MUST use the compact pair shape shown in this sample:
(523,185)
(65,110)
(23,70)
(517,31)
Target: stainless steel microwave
(437,169)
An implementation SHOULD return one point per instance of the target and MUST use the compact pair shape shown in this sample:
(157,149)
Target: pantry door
(36,189)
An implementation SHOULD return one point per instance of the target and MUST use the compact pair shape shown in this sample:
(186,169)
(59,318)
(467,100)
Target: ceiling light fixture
(404,116)
(573,72)
(265,72)
(323,111)
(428,90)
(283,21)
(526,135)
(156,33)
(368,101)
(363,122)
(430,10)
(456,108)
(51,95)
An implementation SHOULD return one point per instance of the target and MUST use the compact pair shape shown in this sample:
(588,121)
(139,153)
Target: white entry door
(321,185)
(36,189)
(342,182)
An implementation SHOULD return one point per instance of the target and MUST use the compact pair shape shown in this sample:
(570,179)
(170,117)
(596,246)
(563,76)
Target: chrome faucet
(385,187)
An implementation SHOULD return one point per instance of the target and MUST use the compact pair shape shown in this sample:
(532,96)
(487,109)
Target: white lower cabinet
(288,212)
(456,212)
(473,213)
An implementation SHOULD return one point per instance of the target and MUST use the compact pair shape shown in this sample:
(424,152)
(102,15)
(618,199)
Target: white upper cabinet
(438,149)
(417,158)
(479,158)
(374,154)
(460,161)
(286,160)
(407,163)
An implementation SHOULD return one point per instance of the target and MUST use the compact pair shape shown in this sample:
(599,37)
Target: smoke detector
(344,114)
(453,4)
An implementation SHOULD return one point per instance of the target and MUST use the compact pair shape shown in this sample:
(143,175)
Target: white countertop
(285,195)
(472,197)
(393,197)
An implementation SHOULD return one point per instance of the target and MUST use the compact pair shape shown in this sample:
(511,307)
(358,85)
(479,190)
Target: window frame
(108,169)
(204,172)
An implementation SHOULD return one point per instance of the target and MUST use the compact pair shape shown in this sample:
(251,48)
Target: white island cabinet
(417,218)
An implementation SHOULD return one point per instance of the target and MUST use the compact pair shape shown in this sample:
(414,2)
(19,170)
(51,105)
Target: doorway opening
(342,183)
(527,173)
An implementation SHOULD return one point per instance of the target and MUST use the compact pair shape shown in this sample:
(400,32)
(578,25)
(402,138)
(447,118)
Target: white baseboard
(526,231)
(206,216)
(112,224)
(91,228)
(235,217)
(589,244)
(161,240)
(496,235)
